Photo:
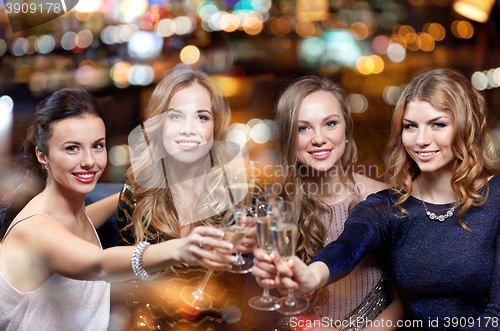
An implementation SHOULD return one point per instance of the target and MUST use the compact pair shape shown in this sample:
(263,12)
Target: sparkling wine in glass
(234,231)
(274,212)
(284,235)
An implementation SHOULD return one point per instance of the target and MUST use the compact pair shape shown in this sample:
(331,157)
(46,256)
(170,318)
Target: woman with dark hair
(315,144)
(53,270)
(438,224)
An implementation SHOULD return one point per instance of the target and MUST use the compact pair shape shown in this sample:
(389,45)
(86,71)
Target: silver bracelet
(137,267)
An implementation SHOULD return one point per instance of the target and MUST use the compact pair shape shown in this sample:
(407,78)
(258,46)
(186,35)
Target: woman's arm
(57,250)
(296,274)
(100,211)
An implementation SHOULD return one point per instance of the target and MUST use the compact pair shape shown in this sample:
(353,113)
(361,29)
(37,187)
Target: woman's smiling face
(76,153)
(428,136)
(188,127)
(321,126)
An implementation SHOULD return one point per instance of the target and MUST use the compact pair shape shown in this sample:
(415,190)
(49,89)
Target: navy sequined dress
(447,277)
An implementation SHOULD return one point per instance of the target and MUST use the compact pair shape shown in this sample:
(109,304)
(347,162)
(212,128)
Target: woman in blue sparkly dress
(438,224)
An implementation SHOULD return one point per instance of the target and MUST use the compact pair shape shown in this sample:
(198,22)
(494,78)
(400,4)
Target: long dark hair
(30,175)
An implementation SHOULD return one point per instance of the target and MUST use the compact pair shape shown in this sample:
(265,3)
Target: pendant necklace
(433,216)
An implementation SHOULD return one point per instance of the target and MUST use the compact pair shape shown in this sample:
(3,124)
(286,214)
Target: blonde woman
(177,182)
(315,144)
(439,222)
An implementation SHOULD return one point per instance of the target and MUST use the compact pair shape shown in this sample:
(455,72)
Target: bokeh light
(19,47)
(45,44)
(133,8)
(6,105)
(190,54)
(357,102)
(141,74)
(380,44)
(120,73)
(359,31)
(305,29)
(391,94)
(479,80)
(118,155)
(396,52)
(260,133)
(145,45)
(436,31)
(89,6)
(462,29)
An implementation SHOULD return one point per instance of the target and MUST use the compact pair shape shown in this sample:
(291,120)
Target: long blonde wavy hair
(310,209)
(472,146)
(155,217)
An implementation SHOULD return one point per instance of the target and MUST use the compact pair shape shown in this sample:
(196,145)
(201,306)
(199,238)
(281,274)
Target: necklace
(433,216)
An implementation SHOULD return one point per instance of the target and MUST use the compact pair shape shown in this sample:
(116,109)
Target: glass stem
(201,288)
(240,260)
(265,295)
(290,300)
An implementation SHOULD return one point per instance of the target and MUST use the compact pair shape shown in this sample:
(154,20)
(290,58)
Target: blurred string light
(487,79)
(145,45)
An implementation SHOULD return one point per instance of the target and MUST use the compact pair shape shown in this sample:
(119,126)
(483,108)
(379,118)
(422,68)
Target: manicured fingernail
(229,246)
(220,234)
(233,259)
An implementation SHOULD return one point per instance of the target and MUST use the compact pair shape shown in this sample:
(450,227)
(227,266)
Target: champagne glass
(250,207)
(284,235)
(234,230)
(274,212)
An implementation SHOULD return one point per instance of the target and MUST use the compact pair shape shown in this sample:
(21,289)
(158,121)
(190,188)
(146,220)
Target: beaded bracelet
(137,267)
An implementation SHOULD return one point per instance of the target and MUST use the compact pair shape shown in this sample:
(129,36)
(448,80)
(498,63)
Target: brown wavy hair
(310,209)
(472,146)
(155,217)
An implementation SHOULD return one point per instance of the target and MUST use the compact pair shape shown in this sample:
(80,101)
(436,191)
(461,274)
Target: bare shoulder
(35,224)
(368,185)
